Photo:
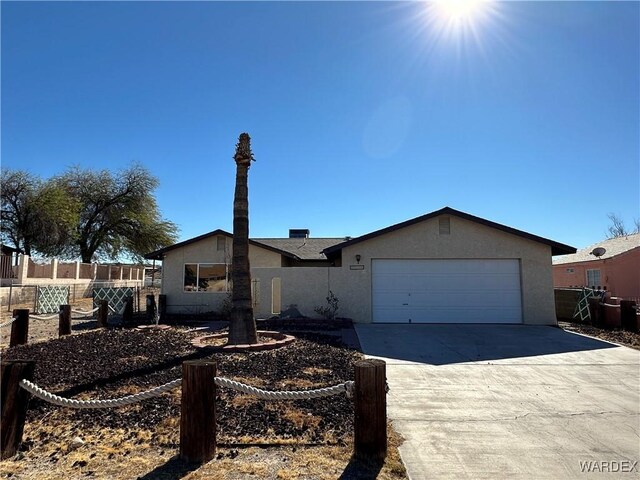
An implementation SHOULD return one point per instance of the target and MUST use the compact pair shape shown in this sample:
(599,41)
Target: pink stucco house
(618,269)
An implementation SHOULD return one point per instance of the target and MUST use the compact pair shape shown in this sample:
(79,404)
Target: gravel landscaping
(622,337)
(115,362)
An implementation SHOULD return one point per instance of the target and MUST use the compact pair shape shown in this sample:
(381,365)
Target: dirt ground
(256,439)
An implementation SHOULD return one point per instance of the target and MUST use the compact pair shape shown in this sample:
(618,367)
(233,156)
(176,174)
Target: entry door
(446,291)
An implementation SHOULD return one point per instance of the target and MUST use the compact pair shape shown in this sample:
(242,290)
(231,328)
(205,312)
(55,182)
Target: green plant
(328,311)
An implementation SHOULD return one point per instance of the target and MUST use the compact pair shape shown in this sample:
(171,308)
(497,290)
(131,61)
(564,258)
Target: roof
(613,247)
(296,248)
(556,248)
(302,248)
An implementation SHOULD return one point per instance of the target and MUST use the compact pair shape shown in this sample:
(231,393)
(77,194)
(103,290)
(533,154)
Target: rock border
(281,340)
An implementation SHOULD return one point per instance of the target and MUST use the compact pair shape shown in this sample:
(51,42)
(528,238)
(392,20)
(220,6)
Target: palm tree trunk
(242,328)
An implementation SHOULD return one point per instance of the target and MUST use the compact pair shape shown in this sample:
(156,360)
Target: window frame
(593,272)
(227,281)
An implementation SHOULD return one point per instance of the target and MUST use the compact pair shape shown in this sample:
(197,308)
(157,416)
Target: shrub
(328,311)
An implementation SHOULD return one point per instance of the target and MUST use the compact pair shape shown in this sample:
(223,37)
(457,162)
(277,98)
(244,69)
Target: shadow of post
(362,469)
(172,469)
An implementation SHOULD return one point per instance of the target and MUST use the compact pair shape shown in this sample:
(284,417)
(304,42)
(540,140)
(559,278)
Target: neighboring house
(443,267)
(617,270)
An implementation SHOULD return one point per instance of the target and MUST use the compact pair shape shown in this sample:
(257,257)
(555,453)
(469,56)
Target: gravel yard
(622,337)
(142,439)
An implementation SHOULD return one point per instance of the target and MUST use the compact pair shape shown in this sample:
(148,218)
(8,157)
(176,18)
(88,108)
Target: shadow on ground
(442,344)
(362,469)
(172,469)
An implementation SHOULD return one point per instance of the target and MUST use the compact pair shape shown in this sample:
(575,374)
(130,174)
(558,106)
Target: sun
(456,12)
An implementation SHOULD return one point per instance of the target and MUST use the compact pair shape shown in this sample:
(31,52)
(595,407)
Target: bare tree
(242,328)
(618,229)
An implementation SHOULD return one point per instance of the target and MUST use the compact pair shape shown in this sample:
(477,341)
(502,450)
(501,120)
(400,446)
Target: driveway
(509,401)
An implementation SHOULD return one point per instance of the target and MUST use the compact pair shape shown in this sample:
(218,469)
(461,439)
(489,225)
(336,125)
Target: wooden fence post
(151,306)
(198,411)
(64,323)
(370,436)
(103,314)
(13,403)
(127,315)
(20,328)
(162,308)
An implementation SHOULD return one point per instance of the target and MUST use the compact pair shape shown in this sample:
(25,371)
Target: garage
(446,291)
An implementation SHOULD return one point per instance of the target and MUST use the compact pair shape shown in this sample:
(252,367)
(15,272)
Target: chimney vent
(298,233)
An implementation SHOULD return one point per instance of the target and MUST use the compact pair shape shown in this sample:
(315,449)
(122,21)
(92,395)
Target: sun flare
(460,11)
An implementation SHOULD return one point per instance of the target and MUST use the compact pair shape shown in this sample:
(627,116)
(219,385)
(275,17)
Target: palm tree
(242,328)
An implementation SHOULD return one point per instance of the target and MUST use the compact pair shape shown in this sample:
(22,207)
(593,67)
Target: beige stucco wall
(204,251)
(307,287)
(466,240)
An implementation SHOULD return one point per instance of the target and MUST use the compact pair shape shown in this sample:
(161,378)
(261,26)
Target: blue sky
(361,114)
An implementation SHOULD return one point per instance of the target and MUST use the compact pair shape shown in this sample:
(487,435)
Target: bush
(329,311)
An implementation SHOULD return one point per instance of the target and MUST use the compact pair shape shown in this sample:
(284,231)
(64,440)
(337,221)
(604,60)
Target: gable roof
(296,248)
(613,247)
(556,248)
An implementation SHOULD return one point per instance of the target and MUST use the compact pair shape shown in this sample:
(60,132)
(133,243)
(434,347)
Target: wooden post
(198,411)
(151,306)
(13,403)
(162,308)
(127,315)
(103,314)
(20,328)
(64,323)
(370,436)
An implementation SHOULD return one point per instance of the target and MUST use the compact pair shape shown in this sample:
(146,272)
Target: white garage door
(446,291)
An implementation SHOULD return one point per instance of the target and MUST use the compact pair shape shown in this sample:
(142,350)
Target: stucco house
(617,270)
(443,267)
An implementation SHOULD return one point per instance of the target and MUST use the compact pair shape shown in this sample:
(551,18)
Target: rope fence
(85,312)
(6,324)
(49,317)
(198,405)
(41,393)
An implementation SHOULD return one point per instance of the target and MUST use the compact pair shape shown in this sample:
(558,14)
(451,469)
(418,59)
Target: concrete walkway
(509,401)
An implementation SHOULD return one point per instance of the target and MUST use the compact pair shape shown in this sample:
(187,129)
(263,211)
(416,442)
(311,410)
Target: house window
(593,278)
(221,243)
(569,270)
(206,277)
(445,225)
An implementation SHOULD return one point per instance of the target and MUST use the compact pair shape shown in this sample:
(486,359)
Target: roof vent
(298,233)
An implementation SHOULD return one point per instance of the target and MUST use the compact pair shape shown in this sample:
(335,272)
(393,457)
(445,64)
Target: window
(569,270)
(206,277)
(593,278)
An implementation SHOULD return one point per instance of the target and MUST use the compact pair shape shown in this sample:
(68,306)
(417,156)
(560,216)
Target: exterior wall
(620,274)
(307,287)
(303,287)
(205,251)
(466,240)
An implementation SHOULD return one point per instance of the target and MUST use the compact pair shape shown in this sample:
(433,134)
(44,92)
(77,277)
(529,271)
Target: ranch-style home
(443,267)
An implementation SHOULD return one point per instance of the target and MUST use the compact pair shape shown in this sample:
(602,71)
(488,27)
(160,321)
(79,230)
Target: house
(443,267)
(616,270)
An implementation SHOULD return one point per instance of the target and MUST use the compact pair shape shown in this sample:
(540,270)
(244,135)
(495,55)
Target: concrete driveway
(509,401)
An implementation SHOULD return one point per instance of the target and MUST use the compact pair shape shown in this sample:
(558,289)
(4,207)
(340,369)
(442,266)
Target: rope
(120,312)
(88,312)
(6,324)
(36,317)
(36,391)
(346,387)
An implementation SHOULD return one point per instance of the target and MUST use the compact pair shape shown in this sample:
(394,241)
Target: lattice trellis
(50,297)
(116,296)
(582,307)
